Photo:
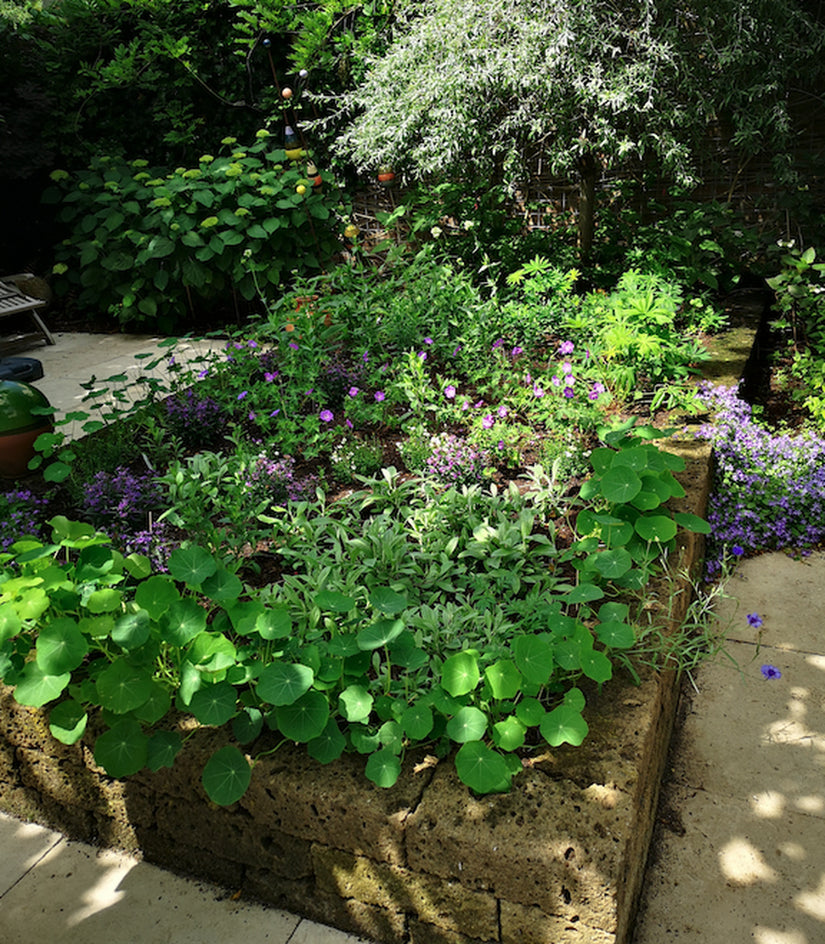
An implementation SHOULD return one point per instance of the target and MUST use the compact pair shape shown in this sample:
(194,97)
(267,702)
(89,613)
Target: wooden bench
(13,301)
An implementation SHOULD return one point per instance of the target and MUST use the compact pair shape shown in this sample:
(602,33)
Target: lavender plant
(121,501)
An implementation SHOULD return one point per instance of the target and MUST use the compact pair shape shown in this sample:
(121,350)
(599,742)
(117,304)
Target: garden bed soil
(559,859)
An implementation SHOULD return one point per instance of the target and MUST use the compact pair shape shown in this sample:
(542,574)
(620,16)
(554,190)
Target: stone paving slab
(739,853)
(63,892)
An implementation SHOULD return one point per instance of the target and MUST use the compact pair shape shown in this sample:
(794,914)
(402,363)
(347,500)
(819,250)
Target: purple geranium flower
(488,421)
(566,347)
(449,392)
(771,672)
(353,392)
(327,416)
(379,395)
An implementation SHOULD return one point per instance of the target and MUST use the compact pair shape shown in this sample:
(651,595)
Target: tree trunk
(588,177)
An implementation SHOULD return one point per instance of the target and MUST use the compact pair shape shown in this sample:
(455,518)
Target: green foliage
(446,626)
(146,242)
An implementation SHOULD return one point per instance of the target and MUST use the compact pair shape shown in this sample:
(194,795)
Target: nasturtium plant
(454,656)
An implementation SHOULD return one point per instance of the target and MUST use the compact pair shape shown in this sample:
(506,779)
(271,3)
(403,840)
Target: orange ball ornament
(286,93)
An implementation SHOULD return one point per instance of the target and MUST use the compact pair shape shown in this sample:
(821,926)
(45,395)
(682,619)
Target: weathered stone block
(443,903)
(335,804)
(526,925)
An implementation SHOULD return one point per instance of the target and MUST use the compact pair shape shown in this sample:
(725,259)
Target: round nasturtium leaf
(534,657)
(61,646)
(191,565)
(468,724)
(595,665)
(355,703)
(417,722)
(122,687)
(564,724)
(274,623)
(391,736)
(692,522)
(388,601)
(244,615)
(182,622)
(504,679)
(36,688)
(482,769)
(162,749)
(67,721)
(105,600)
(304,719)
(383,768)
(379,634)
(248,725)
(329,745)
(656,528)
(613,563)
(508,735)
(459,674)
(214,704)
(156,595)
(283,683)
(616,635)
(226,776)
(222,586)
(132,630)
(10,622)
(620,484)
(530,711)
(123,749)
(156,705)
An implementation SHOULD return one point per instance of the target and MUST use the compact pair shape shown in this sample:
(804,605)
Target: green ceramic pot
(19,426)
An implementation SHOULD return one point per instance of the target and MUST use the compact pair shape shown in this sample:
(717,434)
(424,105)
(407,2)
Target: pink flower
(538,391)
(488,422)
(502,411)
(568,393)
(327,416)
(353,392)
(379,395)
(566,347)
(449,392)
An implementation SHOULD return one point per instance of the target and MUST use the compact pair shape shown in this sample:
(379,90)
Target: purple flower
(269,376)
(274,413)
(567,368)
(422,355)
(348,423)
(465,405)
(252,344)
(327,416)
(428,340)
(770,672)
(755,620)
(243,394)
(203,373)
(516,351)
(253,416)
(501,444)
(365,356)
(538,391)
(456,349)
(379,395)
(449,392)
(498,343)
(293,345)
(569,380)
(555,381)
(568,393)
(502,411)
(737,550)
(353,392)
(488,422)
(478,405)
(566,347)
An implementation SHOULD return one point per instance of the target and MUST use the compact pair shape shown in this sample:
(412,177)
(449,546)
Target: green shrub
(149,245)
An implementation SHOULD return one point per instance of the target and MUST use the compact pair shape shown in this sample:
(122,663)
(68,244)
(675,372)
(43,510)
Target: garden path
(739,854)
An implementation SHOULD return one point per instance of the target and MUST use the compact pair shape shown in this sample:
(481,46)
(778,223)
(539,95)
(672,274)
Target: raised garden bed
(560,858)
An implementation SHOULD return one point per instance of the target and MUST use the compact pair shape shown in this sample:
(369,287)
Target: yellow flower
(351,231)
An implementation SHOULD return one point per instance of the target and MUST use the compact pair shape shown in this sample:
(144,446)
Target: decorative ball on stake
(286,92)
(292,145)
(315,178)
(386,176)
